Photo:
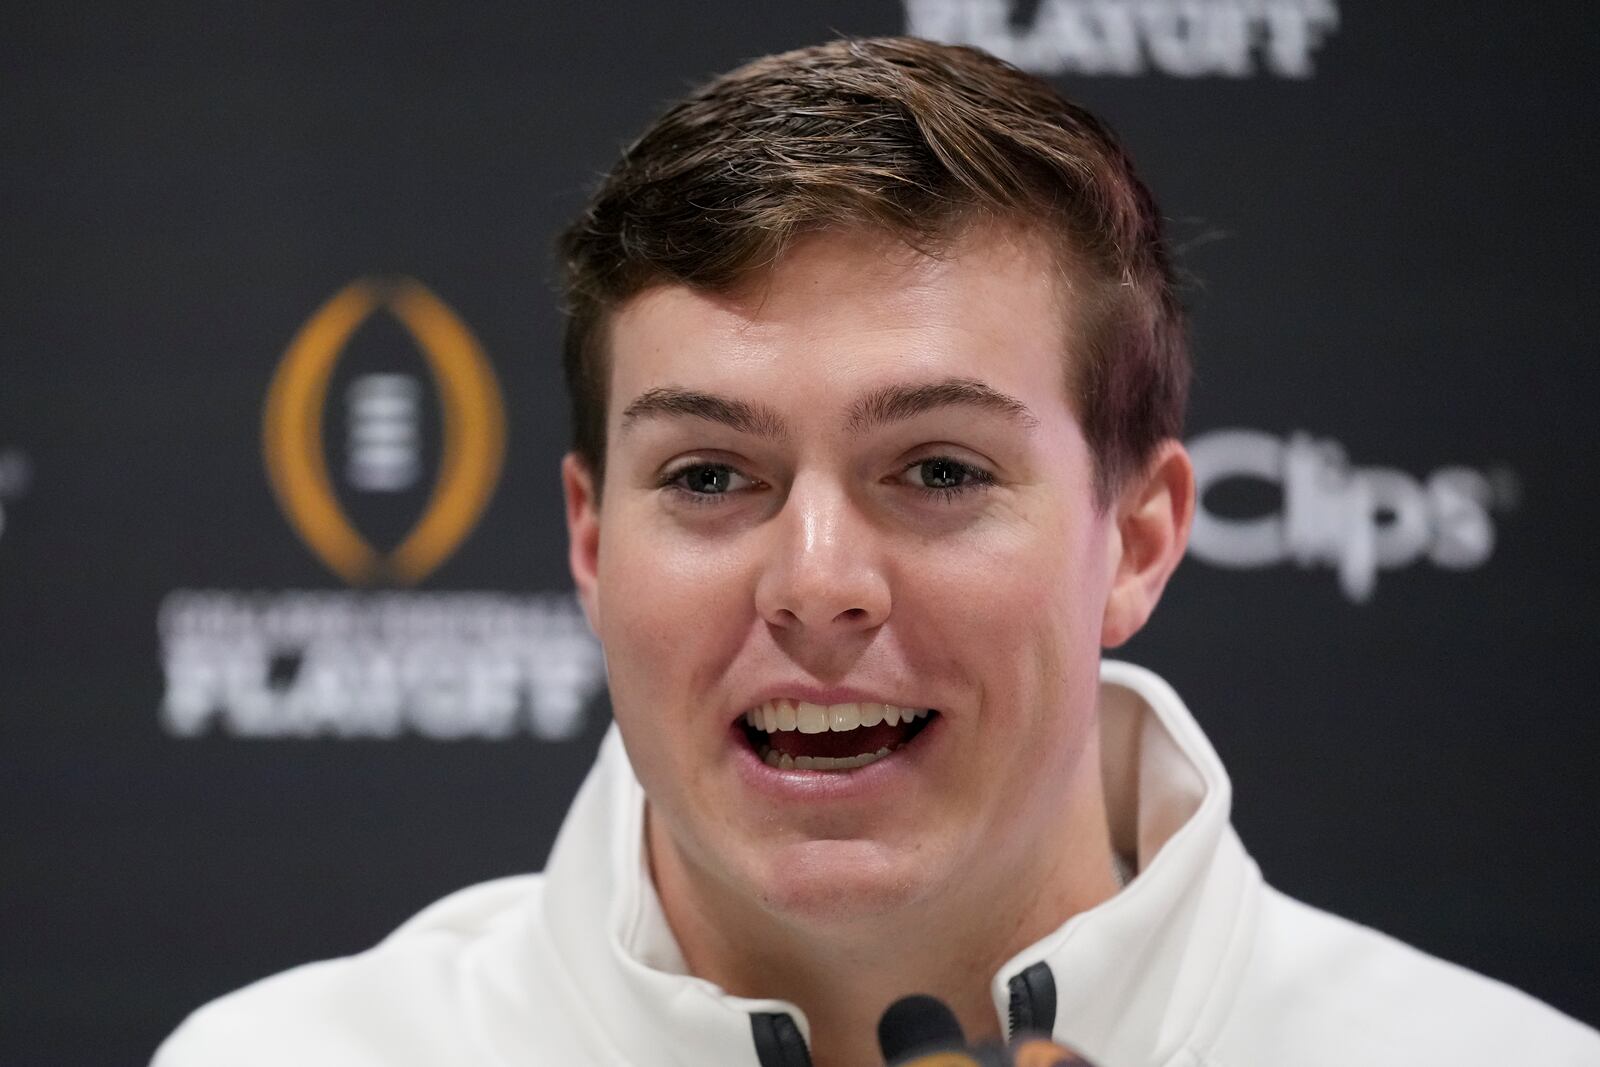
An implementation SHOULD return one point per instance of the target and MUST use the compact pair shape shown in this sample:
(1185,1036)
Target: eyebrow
(891,403)
(894,403)
(738,414)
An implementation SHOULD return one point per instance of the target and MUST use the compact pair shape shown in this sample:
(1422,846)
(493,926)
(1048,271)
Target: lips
(798,735)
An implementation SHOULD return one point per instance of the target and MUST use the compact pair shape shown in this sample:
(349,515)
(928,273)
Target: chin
(834,882)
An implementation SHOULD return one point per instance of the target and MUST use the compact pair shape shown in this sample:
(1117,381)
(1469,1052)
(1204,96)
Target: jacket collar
(1141,978)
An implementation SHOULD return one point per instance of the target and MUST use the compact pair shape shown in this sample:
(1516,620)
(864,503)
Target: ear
(583,533)
(1153,515)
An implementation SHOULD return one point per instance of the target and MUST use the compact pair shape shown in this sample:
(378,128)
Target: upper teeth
(776,715)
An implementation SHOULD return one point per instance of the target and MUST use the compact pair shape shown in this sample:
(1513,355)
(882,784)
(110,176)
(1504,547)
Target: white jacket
(1195,963)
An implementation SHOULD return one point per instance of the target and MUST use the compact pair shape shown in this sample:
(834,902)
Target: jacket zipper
(1033,1002)
(778,1040)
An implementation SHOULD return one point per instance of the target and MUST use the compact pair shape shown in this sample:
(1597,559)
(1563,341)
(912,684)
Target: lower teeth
(785,762)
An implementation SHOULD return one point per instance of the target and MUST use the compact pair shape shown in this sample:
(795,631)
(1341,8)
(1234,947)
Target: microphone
(921,1031)
(916,1025)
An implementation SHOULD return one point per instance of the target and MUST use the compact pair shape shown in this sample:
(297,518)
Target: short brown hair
(911,137)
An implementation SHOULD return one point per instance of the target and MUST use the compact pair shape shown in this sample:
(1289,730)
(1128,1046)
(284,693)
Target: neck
(843,972)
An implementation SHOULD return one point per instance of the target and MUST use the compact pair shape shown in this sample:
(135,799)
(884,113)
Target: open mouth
(793,735)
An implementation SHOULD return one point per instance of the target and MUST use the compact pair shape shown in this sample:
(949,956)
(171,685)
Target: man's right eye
(705,479)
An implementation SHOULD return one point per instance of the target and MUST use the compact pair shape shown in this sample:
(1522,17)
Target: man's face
(857,481)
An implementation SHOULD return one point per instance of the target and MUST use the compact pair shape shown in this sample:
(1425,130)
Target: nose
(823,575)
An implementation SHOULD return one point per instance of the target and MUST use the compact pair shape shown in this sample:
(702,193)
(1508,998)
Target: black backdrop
(219,757)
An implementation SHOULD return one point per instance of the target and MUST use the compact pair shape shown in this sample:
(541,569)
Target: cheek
(1028,573)
(670,608)
(1014,617)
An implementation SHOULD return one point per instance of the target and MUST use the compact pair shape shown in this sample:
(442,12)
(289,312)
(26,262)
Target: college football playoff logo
(472,437)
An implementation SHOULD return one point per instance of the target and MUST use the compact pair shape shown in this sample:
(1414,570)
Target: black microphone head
(915,1024)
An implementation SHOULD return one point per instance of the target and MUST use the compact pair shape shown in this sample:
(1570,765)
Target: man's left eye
(943,475)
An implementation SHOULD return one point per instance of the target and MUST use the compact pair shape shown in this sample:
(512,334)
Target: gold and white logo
(376,661)
(473,432)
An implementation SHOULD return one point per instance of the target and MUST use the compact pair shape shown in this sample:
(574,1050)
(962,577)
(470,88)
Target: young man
(877,382)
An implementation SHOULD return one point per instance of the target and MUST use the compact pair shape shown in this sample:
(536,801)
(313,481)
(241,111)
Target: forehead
(840,312)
